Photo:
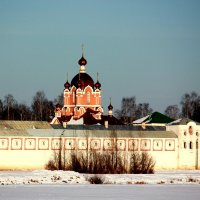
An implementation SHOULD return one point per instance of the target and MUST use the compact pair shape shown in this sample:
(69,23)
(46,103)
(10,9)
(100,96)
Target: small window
(120,144)
(190,145)
(2,142)
(88,97)
(95,143)
(157,144)
(43,143)
(70,144)
(16,143)
(185,145)
(184,133)
(83,144)
(73,97)
(30,143)
(197,134)
(170,144)
(190,130)
(108,144)
(145,144)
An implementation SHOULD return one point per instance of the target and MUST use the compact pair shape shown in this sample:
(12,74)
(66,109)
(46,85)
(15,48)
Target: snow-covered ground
(103,192)
(51,185)
(70,177)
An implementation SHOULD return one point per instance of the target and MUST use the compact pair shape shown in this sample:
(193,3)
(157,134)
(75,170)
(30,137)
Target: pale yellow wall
(187,158)
(23,157)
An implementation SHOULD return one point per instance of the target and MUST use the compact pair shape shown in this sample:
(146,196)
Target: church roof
(85,80)
(111,120)
(155,117)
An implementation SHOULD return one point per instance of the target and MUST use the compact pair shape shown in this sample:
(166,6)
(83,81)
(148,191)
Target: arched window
(184,145)
(88,97)
(190,145)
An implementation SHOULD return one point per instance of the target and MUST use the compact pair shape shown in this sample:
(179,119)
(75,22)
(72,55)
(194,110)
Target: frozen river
(97,192)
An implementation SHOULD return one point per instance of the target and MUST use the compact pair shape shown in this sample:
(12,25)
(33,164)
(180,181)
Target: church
(82,101)
(80,126)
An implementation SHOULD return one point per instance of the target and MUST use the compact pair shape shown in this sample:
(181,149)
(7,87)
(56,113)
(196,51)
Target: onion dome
(85,80)
(98,85)
(67,85)
(82,79)
(58,107)
(110,107)
(82,61)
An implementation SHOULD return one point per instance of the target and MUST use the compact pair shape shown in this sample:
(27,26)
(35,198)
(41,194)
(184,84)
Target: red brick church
(82,101)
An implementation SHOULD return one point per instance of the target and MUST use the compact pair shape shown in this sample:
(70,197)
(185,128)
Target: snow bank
(41,177)
(70,177)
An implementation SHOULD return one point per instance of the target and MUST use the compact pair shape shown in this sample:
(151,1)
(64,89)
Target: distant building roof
(155,117)
(110,127)
(22,125)
(182,121)
(88,133)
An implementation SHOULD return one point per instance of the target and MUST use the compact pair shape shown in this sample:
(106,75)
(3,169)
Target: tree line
(130,110)
(42,109)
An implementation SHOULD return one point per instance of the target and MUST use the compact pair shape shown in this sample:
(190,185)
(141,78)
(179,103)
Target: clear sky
(145,48)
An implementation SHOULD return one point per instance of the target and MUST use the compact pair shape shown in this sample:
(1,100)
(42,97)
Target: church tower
(80,96)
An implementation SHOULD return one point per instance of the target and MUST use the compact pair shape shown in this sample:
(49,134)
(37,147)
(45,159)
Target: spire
(97,84)
(110,109)
(82,46)
(67,84)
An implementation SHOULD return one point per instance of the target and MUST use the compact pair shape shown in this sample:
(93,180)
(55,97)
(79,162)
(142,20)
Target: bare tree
(23,112)
(38,105)
(9,102)
(191,106)
(128,110)
(59,99)
(143,109)
(131,111)
(172,111)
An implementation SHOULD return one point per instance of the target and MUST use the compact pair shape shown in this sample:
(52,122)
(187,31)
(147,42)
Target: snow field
(71,177)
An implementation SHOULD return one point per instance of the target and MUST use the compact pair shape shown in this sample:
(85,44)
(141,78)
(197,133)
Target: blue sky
(148,49)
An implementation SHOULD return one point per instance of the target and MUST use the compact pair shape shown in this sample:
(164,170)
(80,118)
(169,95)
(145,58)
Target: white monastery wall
(34,150)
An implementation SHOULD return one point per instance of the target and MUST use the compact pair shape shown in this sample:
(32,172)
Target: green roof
(154,118)
(157,117)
